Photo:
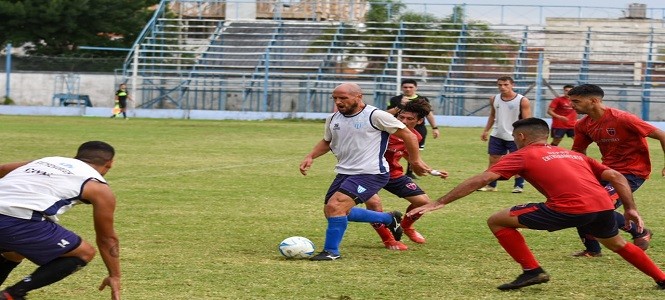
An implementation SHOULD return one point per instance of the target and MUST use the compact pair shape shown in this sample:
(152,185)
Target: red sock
(513,242)
(638,258)
(407,222)
(384,233)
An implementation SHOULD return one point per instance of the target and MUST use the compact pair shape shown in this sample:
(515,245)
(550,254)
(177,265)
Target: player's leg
(557,136)
(8,261)
(58,252)
(606,231)
(518,187)
(495,149)
(374,204)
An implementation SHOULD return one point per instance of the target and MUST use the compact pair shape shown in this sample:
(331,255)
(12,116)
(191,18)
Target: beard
(349,109)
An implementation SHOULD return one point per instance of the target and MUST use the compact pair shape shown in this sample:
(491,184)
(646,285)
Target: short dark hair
(568,86)
(420,107)
(587,90)
(95,152)
(535,125)
(409,81)
(505,78)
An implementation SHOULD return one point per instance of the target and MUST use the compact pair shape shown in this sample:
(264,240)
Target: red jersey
(569,180)
(563,106)
(396,150)
(620,136)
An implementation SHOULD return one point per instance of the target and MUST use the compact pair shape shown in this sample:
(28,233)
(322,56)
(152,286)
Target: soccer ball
(296,247)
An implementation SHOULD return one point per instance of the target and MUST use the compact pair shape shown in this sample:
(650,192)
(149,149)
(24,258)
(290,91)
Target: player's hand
(441,173)
(420,167)
(114,284)
(483,137)
(562,118)
(421,210)
(435,133)
(405,100)
(633,217)
(305,165)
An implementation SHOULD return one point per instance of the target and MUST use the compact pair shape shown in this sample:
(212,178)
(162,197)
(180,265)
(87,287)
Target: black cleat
(661,284)
(325,255)
(525,279)
(395,227)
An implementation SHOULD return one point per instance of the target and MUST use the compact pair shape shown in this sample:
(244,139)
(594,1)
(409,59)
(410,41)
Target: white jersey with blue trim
(45,188)
(505,114)
(359,141)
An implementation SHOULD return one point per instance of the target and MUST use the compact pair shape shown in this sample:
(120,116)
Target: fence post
(539,87)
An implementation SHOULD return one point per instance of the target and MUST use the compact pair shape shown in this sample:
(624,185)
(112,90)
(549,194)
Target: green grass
(203,205)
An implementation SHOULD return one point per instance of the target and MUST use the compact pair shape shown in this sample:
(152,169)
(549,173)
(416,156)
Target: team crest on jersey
(358,125)
(611,131)
(336,126)
(361,189)
(412,186)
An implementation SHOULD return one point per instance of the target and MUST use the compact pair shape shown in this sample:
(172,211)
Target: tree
(57,27)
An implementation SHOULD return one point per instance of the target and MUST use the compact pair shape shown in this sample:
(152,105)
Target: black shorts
(122,103)
(540,217)
(403,187)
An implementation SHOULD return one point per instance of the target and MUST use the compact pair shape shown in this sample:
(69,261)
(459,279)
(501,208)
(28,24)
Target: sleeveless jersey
(45,188)
(360,141)
(505,114)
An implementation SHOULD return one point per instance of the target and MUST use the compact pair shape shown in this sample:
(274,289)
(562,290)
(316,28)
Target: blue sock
(590,243)
(519,182)
(358,214)
(335,233)
(492,184)
(621,222)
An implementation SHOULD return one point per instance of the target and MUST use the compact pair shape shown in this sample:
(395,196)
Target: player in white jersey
(505,108)
(33,194)
(358,136)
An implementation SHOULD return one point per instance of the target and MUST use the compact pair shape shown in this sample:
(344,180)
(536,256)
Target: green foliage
(7,101)
(58,27)
(202,206)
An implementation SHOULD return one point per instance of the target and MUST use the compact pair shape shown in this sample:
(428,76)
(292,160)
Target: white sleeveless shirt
(45,188)
(359,141)
(505,114)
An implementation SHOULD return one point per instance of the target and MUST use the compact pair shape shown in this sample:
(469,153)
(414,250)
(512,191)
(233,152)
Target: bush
(7,101)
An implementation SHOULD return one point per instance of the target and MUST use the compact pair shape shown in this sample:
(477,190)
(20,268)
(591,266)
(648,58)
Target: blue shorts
(359,187)
(497,146)
(39,241)
(560,132)
(540,217)
(403,187)
(635,182)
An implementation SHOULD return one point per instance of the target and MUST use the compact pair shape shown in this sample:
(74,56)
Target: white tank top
(359,141)
(506,113)
(45,188)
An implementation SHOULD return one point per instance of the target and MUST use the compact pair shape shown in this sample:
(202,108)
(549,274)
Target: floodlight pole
(8,68)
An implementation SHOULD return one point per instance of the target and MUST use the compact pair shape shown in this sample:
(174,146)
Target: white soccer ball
(296,247)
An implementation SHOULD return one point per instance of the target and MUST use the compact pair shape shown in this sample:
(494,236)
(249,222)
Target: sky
(490,9)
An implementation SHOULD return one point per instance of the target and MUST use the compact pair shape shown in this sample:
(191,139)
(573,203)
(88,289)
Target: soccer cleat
(395,245)
(4,295)
(643,240)
(414,235)
(395,227)
(661,284)
(518,190)
(487,188)
(587,253)
(525,279)
(325,255)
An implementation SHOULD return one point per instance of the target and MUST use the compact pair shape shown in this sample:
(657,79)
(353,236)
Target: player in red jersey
(620,136)
(563,116)
(401,185)
(579,203)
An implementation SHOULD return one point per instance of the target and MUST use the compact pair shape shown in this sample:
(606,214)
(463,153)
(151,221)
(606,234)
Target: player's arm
(103,208)
(8,167)
(490,121)
(321,148)
(659,135)
(432,122)
(411,143)
(581,141)
(525,108)
(622,188)
(462,190)
(550,111)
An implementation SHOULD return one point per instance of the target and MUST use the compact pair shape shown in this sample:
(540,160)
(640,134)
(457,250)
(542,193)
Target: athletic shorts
(560,132)
(122,103)
(39,241)
(635,182)
(403,187)
(540,217)
(497,146)
(359,187)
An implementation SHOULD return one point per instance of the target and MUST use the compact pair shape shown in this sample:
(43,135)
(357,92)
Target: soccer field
(202,206)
